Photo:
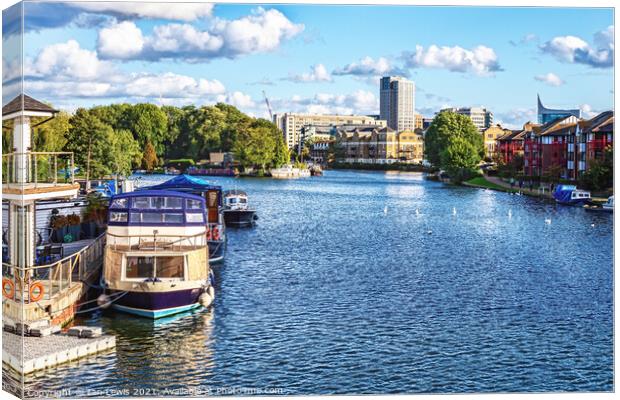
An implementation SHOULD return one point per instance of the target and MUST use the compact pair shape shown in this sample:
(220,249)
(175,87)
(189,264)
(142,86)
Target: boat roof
(184,183)
(158,193)
(235,192)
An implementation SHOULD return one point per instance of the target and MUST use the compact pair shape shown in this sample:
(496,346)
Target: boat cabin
(235,200)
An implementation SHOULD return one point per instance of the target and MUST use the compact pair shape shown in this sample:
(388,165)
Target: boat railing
(38,168)
(43,282)
(157,242)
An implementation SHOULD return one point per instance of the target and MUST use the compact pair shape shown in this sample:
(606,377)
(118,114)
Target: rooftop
(23,102)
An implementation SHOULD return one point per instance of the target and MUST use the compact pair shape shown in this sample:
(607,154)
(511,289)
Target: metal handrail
(30,175)
(195,241)
(59,276)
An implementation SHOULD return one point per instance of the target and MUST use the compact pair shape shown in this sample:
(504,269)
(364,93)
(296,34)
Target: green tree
(255,147)
(148,124)
(149,158)
(454,144)
(459,158)
(600,172)
(124,152)
(52,135)
(88,139)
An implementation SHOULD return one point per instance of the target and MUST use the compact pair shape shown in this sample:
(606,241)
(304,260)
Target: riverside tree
(88,139)
(454,144)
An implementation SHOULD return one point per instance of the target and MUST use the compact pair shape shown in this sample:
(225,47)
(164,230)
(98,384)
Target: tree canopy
(454,144)
(117,138)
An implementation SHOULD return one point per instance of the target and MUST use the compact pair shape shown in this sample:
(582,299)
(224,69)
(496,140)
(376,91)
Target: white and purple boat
(157,254)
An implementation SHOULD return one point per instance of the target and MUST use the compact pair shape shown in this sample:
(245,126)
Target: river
(342,287)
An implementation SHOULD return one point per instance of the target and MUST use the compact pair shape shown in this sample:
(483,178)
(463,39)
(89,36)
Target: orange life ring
(10,291)
(33,295)
(208,233)
(216,233)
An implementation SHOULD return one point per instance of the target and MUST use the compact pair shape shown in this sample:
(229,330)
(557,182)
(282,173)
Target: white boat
(236,210)
(289,172)
(607,206)
(157,255)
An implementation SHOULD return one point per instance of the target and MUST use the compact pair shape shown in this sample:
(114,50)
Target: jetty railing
(38,168)
(157,242)
(42,282)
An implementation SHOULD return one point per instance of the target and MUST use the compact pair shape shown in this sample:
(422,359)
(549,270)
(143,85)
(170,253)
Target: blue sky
(314,58)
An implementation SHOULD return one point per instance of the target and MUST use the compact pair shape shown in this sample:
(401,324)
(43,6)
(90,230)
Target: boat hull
(156,304)
(239,218)
(217,250)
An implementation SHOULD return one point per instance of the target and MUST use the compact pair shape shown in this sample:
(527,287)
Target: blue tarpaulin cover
(562,193)
(184,183)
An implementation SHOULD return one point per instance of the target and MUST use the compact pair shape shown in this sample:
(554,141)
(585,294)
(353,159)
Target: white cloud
(480,60)
(171,85)
(550,79)
(370,67)
(587,111)
(238,99)
(122,40)
(262,31)
(318,73)
(67,60)
(528,38)
(176,11)
(515,118)
(573,49)
(59,89)
(358,102)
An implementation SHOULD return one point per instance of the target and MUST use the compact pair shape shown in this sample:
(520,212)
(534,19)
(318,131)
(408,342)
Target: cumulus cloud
(369,67)
(550,79)
(238,99)
(358,102)
(573,49)
(515,118)
(66,61)
(176,11)
(318,73)
(481,60)
(262,31)
(67,70)
(171,85)
(587,111)
(121,40)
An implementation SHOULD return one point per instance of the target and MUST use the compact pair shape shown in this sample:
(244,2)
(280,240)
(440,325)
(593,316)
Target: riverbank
(495,183)
(382,167)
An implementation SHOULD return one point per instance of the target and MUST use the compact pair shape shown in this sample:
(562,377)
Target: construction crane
(268,106)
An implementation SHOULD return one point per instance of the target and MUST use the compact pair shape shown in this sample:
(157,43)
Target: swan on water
(548,221)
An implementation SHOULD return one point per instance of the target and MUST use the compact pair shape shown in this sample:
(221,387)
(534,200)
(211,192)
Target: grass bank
(481,182)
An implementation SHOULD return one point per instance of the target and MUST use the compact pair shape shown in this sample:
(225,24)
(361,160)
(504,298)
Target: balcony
(35,175)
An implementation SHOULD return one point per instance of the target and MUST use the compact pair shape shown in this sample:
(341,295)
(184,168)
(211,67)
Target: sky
(311,58)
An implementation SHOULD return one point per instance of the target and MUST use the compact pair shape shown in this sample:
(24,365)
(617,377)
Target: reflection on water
(331,294)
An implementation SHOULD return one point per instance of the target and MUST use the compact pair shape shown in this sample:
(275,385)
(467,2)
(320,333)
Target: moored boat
(156,255)
(570,195)
(236,210)
(216,229)
(289,172)
(607,207)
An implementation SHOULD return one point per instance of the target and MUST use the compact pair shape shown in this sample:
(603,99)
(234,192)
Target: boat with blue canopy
(212,194)
(570,195)
(157,255)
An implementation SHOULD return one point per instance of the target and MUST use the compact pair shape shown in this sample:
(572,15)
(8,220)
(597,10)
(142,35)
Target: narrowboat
(216,229)
(156,255)
(236,210)
(570,195)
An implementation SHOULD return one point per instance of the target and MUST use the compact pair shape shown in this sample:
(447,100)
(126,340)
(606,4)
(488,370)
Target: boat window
(169,267)
(193,204)
(157,202)
(242,200)
(139,267)
(195,217)
(118,216)
(157,218)
(119,203)
(173,218)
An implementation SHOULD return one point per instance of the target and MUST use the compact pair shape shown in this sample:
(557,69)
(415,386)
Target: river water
(342,287)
